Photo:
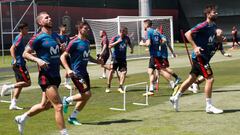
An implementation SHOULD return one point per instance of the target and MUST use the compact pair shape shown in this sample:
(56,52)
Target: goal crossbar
(135,27)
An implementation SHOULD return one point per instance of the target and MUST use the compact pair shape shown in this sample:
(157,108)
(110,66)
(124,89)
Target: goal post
(135,30)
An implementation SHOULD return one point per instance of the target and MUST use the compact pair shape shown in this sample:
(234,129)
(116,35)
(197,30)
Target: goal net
(135,31)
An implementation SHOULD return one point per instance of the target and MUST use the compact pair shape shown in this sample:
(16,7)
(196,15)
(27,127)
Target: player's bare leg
(54,98)
(122,78)
(208,93)
(167,76)
(152,77)
(109,81)
(179,90)
(81,100)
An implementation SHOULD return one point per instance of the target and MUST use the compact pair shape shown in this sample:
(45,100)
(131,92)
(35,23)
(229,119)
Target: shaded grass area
(97,111)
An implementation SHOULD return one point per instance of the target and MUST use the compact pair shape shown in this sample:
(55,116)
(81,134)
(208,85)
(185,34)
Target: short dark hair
(22,25)
(80,24)
(148,22)
(123,28)
(39,17)
(208,9)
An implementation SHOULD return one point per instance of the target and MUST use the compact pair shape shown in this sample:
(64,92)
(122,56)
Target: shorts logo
(83,83)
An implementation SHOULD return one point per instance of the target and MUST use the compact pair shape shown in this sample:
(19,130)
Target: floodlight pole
(33,3)
(2,32)
(35,15)
(11,16)
(23,15)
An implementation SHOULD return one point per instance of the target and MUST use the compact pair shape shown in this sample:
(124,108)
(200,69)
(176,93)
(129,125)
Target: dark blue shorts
(156,63)
(82,83)
(44,80)
(200,67)
(21,73)
(119,64)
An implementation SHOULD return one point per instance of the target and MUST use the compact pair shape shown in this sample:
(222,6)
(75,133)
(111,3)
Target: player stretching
(220,38)
(79,52)
(203,40)
(105,52)
(19,67)
(119,43)
(48,60)
(154,40)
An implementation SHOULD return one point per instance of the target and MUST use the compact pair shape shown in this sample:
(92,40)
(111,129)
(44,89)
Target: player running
(63,40)
(119,44)
(105,53)
(220,38)
(48,60)
(79,52)
(164,54)
(19,66)
(234,37)
(203,40)
(154,40)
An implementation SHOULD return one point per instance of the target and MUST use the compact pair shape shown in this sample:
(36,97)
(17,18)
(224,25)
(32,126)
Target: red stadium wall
(76,14)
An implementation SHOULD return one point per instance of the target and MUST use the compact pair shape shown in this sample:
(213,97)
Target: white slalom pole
(124,108)
(124,102)
(70,94)
(124,98)
(146,97)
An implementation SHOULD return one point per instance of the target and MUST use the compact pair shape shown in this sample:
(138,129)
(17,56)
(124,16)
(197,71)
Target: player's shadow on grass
(159,94)
(225,90)
(112,121)
(231,111)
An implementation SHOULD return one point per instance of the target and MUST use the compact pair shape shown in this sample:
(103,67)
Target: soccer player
(19,67)
(48,60)
(164,54)
(220,38)
(63,41)
(234,37)
(119,44)
(154,40)
(203,40)
(105,52)
(79,52)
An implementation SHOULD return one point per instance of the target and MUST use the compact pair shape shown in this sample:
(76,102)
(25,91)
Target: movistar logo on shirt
(122,46)
(86,54)
(156,38)
(54,51)
(211,39)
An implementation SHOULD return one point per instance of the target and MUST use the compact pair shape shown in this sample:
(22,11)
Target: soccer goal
(135,30)
(127,89)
